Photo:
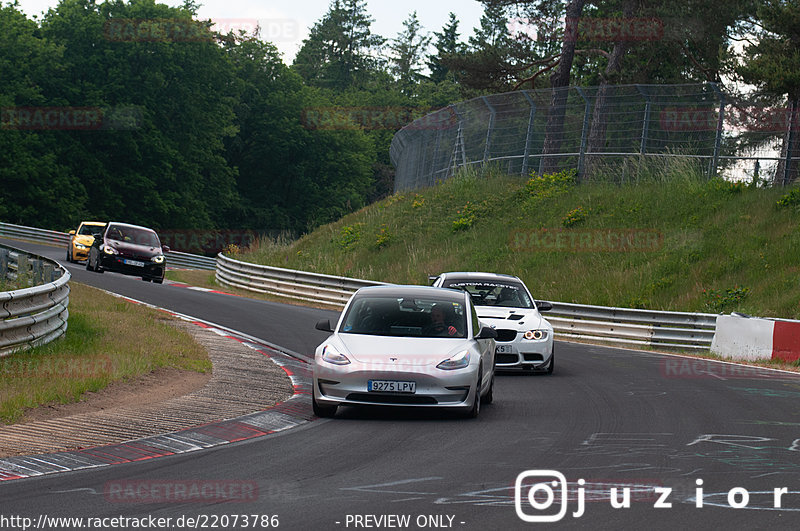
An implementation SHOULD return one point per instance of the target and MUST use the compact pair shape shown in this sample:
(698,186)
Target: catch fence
(616,132)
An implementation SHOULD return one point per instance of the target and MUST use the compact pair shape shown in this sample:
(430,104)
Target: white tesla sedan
(524,337)
(405,346)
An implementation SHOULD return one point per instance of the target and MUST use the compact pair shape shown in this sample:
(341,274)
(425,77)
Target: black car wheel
(489,398)
(475,410)
(552,364)
(323,411)
(89,263)
(159,280)
(69,255)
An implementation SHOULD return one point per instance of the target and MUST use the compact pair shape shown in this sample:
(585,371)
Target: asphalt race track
(614,418)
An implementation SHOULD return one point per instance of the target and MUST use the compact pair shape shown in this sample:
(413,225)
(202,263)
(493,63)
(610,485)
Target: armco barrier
(314,287)
(51,237)
(621,326)
(33,315)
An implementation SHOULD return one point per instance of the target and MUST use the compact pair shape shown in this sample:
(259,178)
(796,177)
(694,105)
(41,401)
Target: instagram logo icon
(539,491)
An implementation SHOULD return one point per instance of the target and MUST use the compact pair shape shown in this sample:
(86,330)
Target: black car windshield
(410,317)
(491,293)
(133,235)
(91,230)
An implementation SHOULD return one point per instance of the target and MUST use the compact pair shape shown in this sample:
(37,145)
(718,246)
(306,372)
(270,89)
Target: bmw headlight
(159,259)
(331,355)
(535,335)
(109,250)
(459,361)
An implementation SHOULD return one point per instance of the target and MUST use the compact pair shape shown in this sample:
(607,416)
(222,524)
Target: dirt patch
(157,386)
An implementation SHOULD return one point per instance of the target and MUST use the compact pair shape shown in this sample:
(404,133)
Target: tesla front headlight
(459,361)
(331,355)
(159,259)
(535,335)
(109,250)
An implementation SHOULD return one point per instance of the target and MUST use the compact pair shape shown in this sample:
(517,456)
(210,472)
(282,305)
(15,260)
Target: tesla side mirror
(543,306)
(324,325)
(487,332)
(165,248)
(72,232)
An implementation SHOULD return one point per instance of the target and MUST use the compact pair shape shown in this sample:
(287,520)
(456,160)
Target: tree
(447,44)
(408,50)
(340,50)
(772,63)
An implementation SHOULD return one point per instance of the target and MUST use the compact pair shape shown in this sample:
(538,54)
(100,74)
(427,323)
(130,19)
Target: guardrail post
(584,132)
(720,123)
(3,263)
(529,134)
(36,268)
(48,270)
(22,268)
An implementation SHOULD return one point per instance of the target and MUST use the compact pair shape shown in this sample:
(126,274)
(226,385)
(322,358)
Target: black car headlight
(159,259)
(109,250)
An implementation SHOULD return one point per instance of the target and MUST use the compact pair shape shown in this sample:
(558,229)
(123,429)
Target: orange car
(82,240)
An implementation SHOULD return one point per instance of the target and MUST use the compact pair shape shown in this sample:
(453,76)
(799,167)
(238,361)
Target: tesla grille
(506,358)
(533,357)
(505,335)
(391,399)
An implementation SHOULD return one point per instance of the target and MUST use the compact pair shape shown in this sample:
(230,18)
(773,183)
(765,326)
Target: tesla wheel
(552,364)
(475,410)
(489,398)
(323,411)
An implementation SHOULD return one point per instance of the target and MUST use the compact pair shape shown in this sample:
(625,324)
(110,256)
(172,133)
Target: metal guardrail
(302,285)
(51,237)
(34,315)
(620,326)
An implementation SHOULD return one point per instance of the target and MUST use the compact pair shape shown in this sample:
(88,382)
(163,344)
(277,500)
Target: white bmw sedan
(413,346)
(524,337)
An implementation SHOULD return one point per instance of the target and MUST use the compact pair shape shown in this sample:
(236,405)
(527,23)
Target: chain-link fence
(615,132)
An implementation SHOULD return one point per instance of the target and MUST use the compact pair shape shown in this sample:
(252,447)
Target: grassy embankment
(701,246)
(108,340)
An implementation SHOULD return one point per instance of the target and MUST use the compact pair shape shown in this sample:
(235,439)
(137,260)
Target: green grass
(108,339)
(719,247)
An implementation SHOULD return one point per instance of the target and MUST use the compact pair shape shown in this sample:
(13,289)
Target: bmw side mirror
(487,332)
(324,325)
(544,306)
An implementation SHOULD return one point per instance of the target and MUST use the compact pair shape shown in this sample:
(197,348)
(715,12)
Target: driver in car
(441,323)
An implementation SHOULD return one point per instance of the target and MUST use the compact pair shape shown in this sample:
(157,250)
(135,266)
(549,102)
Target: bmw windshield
(492,293)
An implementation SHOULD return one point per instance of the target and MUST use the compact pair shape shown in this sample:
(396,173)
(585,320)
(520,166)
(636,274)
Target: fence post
(529,134)
(584,131)
(3,264)
(489,129)
(458,145)
(720,123)
(646,124)
(49,271)
(793,124)
(36,268)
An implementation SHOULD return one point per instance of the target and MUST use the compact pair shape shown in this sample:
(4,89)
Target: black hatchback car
(128,249)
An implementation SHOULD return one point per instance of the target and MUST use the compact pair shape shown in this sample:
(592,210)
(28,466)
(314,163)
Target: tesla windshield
(416,317)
